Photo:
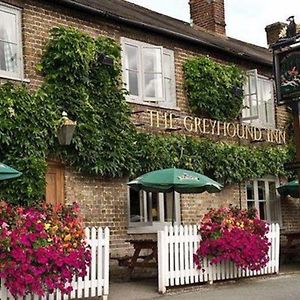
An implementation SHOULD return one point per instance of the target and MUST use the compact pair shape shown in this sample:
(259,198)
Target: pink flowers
(41,249)
(230,234)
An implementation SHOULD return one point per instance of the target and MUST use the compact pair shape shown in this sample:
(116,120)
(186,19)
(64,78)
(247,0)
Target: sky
(245,19)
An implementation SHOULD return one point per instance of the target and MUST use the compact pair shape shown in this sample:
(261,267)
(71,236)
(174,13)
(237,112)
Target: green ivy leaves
(230,163)
(105,141)
(210,88)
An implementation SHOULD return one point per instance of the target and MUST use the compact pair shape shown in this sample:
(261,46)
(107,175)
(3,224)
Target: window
(261,194)
(148,73)
(153,210)
(10,43)
(258,101)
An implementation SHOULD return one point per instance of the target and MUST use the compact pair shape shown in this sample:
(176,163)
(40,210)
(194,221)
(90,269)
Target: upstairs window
(148,73)
(10,42)
(258,101)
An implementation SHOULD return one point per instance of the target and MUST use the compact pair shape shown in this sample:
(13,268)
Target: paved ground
(286,286)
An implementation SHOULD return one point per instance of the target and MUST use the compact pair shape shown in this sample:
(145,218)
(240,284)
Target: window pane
(152,60)
(250,204)
(136,207)
(167,66)
(155,207)
(274,203)
(261,191)
(8,27)
(262,210)
(169,207)
(153,85)
(131,57)
(250,190)
(132,83)
(8,57)
(168,90)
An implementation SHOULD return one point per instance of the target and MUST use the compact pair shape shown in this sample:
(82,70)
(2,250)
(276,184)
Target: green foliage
(228,162)
(78,83)
(105,142)
(210,88)
(25,131)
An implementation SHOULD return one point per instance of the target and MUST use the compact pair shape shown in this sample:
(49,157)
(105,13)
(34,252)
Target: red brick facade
(104,202)
(208,14)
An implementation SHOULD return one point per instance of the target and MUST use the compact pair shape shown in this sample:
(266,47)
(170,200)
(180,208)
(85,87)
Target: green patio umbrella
(7,172)
(291,188)
(173,179)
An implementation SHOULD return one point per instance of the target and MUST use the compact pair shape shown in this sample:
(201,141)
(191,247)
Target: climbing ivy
(230,163)
(105,141)
(213,89)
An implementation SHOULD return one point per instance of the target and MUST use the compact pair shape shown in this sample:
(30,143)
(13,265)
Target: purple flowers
(230,234)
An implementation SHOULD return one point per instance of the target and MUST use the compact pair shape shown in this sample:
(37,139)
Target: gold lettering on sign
(189,127)
(205,126)
(154,112)
(214,127)
(282,137)
(257,134)
(240,131)
(166,119)
(197,125)
(171,120)
(231,130)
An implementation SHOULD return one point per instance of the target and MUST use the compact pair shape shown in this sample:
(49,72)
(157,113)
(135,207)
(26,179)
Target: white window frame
(149,226)
(266,180)
(256,119)
(141,99)
(19,75)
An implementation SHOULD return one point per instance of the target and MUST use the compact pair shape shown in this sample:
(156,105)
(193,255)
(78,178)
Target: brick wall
(208,14)
(104,201)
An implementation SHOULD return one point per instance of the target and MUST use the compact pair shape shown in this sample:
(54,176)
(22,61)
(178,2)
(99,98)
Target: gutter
(168,32)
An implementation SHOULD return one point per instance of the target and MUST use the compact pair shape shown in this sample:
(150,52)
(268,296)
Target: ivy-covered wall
(213,89)
(105,142)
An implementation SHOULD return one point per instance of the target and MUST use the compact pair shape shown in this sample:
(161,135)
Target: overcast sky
(246,19)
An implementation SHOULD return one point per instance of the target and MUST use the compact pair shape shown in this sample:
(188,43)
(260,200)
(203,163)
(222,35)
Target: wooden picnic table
(138,259)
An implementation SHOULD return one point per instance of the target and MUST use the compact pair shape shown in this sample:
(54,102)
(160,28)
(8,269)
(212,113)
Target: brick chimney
(273,31)
(208,14)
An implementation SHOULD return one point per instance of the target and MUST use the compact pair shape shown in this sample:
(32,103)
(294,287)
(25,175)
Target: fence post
(162,260)
(106,264)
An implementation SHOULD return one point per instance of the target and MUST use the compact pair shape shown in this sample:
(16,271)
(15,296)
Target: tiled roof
(126,12)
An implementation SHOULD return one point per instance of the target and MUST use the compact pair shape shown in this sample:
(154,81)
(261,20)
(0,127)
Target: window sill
(147,229)
(14,78)
(154,105)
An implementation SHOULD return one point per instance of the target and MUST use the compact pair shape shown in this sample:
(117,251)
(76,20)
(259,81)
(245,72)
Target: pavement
(285,286)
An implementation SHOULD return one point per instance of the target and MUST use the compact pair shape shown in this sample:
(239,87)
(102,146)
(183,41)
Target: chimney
(208,14)
(273,31)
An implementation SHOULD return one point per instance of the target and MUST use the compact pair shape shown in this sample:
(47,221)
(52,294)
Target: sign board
(287,70)
(291,166)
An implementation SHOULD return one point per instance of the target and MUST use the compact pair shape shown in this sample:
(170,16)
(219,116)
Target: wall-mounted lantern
(106,60)
(65,130)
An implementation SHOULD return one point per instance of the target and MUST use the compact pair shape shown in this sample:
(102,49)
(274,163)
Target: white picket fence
(95,283)
(176,246)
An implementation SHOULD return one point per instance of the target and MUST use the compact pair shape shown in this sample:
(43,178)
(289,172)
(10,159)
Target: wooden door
(55,183)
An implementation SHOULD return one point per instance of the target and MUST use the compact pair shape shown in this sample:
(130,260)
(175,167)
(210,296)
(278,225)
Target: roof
(132,14)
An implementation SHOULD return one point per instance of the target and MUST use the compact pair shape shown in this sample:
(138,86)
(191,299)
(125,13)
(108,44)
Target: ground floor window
(262,195)
(153,209)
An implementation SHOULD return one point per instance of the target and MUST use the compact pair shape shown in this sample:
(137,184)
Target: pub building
(155,48)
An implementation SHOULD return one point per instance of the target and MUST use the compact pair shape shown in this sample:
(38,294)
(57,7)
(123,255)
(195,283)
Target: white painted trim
(19,75)
(141,99)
